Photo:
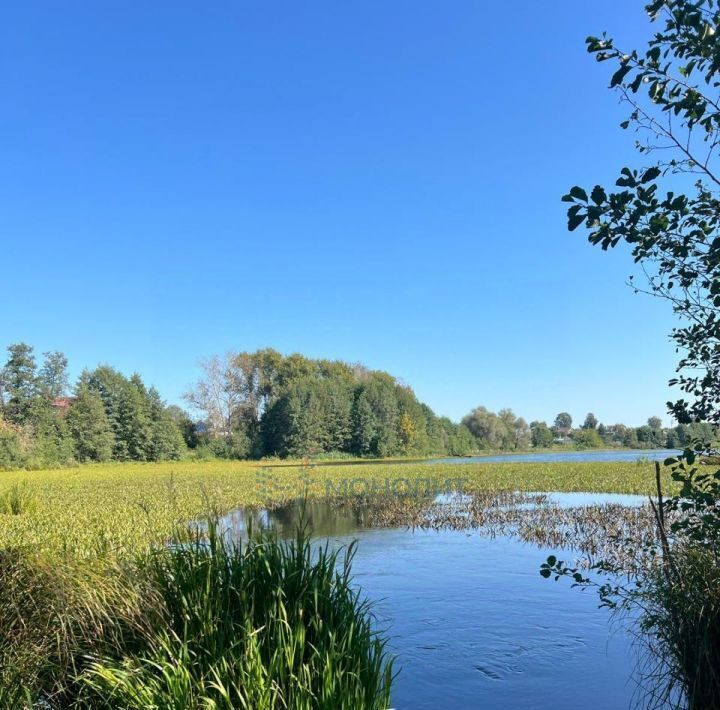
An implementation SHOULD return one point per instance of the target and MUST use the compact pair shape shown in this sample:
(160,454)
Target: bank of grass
(204,623)
(111,509)
(681,621)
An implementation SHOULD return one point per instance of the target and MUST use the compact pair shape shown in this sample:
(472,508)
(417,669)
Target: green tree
(188,428)
(413,438)
(312,416)
(375,418)
(142,429)
(486,427)
(673,235)
(654,423)
(587,438)
(667,210)
(460,441)
(630,438)
(53,378)
(19,383)
(563,423)
(541,435)
(590,422)
(166,439)
(13,446)
(515,431)
(89,426)
(52,443)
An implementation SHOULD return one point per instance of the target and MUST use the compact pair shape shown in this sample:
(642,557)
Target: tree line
(267,404)
(260,404)
(108,417)
(594,434)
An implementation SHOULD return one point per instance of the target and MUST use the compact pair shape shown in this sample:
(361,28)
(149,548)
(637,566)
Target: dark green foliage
(541,435)
(460,441)
(188,428)
(166,439)
(590,422)
(236,445)
(375,419)
(12,451)
(110,416)
(311,417)
(142,428)
(671,89)
(52,443)
(18,383)
(90,427)
(563,422)
(297,406)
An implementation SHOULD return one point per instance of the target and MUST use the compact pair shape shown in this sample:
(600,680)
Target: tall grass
(54,613)
(264,625)
(205,623)
(681,622)
(672,589)
(18,499)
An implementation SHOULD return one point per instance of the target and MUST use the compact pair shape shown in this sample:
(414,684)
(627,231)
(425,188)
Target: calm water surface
(568,456)
(471,621)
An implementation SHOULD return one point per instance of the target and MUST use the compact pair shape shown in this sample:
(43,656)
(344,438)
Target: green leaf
(574,221)
(619,75)
(552,560)
(578,193)
(598,195)
(650,174)
(545,573)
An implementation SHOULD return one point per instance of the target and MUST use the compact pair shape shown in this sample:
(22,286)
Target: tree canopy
(667,208)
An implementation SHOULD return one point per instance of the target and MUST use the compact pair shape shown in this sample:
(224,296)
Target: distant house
(62,404)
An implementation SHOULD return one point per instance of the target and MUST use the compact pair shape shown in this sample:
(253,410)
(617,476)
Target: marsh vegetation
(205,622)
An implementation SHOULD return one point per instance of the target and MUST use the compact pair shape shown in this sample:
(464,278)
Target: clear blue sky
(376,181)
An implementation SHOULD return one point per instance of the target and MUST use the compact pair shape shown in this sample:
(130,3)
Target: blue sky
(376,182)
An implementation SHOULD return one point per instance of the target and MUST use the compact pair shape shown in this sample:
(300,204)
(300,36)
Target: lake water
(472,622)
(568,456)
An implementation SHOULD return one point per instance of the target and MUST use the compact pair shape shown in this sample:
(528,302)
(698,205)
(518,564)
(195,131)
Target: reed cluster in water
(591,531)
(205,622)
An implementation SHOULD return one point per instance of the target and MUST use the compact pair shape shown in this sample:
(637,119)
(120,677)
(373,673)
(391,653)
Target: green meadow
(115,508)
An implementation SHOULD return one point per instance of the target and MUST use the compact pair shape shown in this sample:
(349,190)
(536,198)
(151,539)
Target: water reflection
(471,620)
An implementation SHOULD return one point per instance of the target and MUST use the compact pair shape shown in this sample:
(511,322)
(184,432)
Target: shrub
(13,446)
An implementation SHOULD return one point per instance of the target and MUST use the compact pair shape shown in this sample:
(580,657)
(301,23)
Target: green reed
(207,622)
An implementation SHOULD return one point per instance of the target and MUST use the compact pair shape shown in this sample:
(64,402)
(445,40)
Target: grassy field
(97,509)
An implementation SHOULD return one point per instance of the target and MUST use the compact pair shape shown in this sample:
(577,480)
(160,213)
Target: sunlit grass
(95,509)
(206,623)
